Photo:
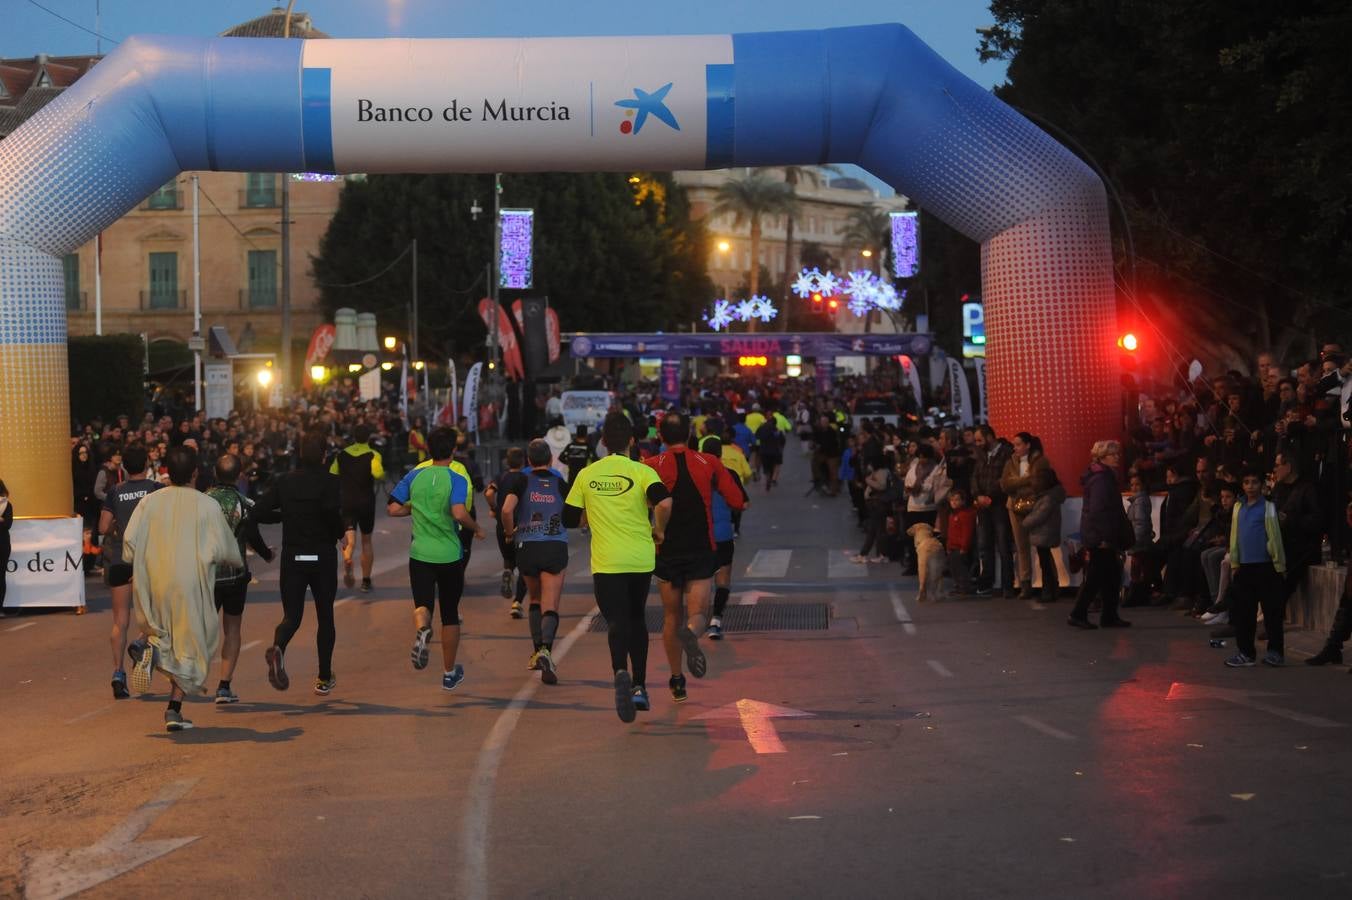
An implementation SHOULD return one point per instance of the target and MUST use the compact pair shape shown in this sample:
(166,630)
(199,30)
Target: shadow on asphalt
(335,708)
(476,702)
(210,735)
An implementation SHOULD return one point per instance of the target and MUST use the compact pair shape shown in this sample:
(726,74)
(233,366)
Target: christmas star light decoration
(722,315)
(764,309)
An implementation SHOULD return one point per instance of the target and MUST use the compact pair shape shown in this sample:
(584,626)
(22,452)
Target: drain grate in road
(761,617)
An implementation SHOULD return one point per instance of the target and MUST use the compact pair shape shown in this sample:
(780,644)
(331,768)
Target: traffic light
(816,301)
(831,306)
(1128,342)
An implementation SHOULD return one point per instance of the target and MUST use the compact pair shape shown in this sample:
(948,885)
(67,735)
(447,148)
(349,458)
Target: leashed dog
(930,556)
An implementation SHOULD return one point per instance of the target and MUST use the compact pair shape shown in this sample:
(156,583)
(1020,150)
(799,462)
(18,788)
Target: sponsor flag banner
(471,400)
(913,376)
(980,364)
(671,380)
(585,407)
(46,565)
(960,395)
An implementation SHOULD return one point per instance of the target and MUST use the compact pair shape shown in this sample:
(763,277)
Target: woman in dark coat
(1102,523)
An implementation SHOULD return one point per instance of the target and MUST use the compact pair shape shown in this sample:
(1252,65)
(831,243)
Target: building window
(260,189)
(163,281)
(164,198)
(262,279)
(70,263)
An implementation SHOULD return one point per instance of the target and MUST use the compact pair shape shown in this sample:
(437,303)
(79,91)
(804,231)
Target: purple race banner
(826,374)
(671,379)
(682,346)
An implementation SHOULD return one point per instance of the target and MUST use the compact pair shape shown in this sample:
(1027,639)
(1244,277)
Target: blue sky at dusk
(949,27)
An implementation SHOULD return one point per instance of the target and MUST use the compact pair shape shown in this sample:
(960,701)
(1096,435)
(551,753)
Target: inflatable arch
(876,96)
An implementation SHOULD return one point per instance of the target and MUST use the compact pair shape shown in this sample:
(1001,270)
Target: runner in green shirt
(435,497)
(614,494)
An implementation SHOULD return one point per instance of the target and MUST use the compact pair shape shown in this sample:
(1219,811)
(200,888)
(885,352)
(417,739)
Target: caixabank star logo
(644,104)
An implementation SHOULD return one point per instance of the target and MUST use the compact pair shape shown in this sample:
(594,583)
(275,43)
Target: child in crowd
(960,540)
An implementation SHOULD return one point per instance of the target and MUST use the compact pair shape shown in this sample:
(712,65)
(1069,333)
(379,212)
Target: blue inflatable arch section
(876,96)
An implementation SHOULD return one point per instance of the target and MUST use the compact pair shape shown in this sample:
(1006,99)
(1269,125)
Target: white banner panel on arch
(489,104)
(46,566)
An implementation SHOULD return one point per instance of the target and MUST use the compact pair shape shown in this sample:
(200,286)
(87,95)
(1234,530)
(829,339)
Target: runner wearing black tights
(306,503)
(613,496)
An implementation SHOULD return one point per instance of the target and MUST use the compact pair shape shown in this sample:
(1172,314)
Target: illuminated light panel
(516,229)
(315,176)
(905,244)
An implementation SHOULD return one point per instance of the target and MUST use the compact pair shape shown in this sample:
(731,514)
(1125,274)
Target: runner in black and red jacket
(686,558)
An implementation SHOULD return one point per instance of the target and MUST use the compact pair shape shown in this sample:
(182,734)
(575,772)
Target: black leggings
(430,579)
(321,578)
(622,598)
(505,547)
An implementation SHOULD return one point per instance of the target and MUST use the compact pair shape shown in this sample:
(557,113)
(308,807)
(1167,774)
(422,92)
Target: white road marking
(474,871)
(751,598)
(769,564)
(804,818)
(756,717)
(903,616)
(89,715)
(54,874)
(1039,725)
(1180,691)
(21,627)
(838,565)
(250,646)
(939,668)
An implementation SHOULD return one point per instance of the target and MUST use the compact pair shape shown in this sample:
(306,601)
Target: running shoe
(516,609)
(1274,659)
(366,586)
(624,696)
(324,685)
(506,589)
(677,685)
(174,721)
(349,579)
(534,662)
(1240,661)
(694,656)
(419,653)
(143,670)
(877,559)
(715,631)
(277,676)
(135,649)
(548,674)
(858,558)
(641,702)
(225,695)
(451,680)
(120,691)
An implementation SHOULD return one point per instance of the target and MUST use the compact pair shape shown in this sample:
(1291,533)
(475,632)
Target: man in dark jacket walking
(1100,520)
(993,537)
(1298,513)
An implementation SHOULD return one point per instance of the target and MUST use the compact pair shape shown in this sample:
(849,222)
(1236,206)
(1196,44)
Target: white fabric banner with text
(46,566)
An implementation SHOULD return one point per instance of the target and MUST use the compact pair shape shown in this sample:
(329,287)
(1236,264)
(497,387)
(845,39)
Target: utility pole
(196,297)
(494,313)
(413,331)
(286,249)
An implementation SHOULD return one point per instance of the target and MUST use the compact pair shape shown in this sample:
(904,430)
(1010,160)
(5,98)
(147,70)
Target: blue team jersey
(742,437)
(539,508)
(722,513)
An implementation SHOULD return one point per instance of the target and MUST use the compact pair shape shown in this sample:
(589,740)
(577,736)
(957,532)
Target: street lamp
(318,374)
(418,364)
(354,368)
(264,377)
(391,343)
(866,253)
(724,246)
(387,365)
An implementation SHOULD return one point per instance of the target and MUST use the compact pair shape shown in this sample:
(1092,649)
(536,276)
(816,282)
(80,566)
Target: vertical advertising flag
(470,406)
(826,374)
(960,395)
(671,380)
(913,376)
(906,244)
(980,363)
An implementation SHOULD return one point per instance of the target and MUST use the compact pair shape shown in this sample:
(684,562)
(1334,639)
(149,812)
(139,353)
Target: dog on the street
(929,554)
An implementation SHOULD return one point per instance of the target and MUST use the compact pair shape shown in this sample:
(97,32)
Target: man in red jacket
(686,558)
(959,540)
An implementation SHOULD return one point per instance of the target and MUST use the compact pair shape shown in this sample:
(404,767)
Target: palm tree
(870,228)
(793,176)
(748,199)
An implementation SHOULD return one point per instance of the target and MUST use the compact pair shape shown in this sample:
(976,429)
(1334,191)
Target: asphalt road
(963,749)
